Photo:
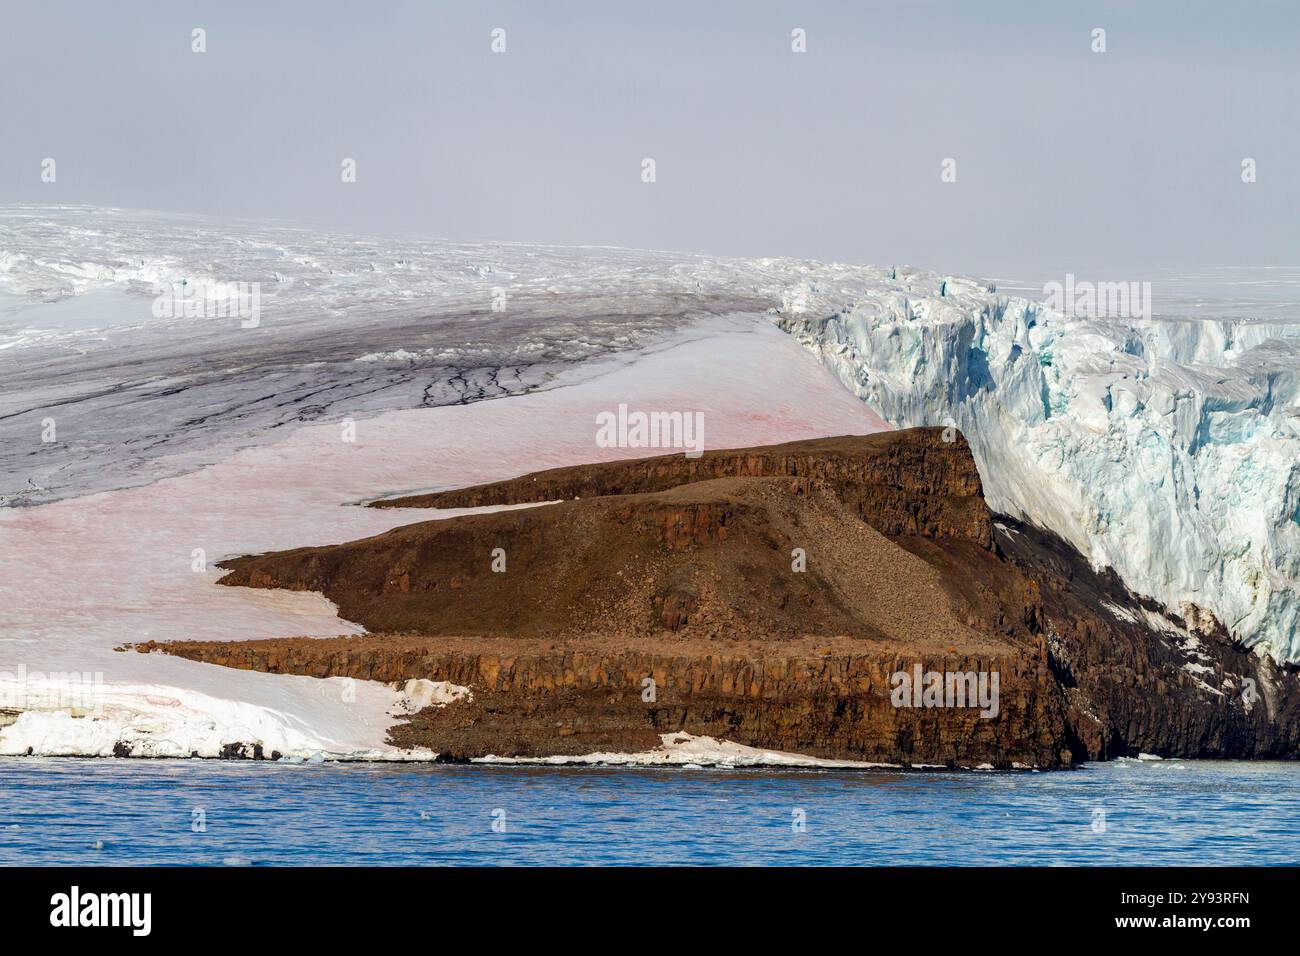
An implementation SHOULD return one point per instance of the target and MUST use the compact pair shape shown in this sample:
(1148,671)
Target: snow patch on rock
(686,750)
(419,693)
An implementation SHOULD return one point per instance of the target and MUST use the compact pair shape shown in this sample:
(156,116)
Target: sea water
(192,812)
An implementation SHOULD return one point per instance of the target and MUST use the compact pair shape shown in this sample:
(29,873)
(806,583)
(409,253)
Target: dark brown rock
(680,571)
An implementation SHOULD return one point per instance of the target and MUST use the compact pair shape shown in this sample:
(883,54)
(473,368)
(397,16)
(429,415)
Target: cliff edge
(850,598)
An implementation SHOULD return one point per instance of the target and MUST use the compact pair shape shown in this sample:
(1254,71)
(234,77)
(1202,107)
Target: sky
(1065,158)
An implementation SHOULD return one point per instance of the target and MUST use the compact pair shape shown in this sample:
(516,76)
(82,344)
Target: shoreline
(578,763)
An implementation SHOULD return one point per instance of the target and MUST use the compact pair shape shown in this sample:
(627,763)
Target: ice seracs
(1166,449)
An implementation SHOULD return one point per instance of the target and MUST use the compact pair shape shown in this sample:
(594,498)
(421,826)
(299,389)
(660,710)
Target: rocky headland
(771,597)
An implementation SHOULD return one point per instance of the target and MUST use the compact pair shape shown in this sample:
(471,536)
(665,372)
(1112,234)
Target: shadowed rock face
(1141,679)
(827,698)
(683,572)
(909,482)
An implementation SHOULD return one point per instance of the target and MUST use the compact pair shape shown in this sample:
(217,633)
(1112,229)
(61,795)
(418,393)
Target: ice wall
(1167,449)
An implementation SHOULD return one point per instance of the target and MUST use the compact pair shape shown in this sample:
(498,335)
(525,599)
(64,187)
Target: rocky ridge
(766,596)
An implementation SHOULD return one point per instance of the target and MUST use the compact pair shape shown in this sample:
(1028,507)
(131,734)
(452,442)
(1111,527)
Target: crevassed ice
(1167,449)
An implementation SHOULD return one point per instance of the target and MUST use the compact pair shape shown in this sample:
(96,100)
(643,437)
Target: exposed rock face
(831,701)
(910,482)
(665,544)
(766,596)
(1139,678)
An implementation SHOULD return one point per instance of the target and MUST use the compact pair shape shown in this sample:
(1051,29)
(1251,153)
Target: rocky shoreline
(828,702)
(770,597)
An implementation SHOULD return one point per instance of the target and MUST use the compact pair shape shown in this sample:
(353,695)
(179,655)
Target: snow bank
(174,721)
(686,750)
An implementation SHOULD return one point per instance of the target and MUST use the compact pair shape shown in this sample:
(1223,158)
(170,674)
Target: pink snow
(81,576)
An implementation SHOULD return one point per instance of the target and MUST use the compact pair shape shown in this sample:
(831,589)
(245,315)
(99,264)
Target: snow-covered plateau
(139,446)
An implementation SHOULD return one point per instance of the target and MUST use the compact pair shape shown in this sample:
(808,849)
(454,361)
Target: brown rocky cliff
(704,559)
(683,570)
(833,704)
(920,480)
(1139,678)
(895,565)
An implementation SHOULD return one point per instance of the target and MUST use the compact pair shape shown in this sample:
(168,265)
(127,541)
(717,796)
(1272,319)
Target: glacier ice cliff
(1166,449)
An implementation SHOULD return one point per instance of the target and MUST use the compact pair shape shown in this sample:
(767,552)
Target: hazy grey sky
(1066,158)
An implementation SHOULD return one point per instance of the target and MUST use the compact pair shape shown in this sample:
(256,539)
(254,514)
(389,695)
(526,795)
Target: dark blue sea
(128,812)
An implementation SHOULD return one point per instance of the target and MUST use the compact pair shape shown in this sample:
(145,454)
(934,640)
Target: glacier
(1166,449)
